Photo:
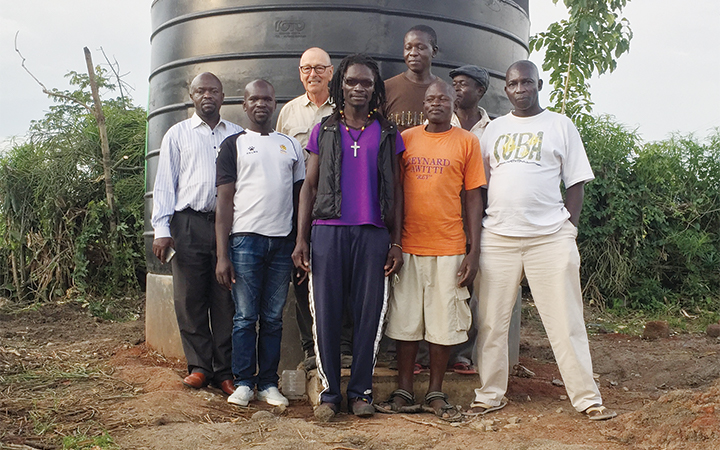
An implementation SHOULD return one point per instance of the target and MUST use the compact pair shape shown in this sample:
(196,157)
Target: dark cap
(476,73)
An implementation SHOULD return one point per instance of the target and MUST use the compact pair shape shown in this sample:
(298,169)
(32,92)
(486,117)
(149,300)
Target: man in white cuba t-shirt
(529,229)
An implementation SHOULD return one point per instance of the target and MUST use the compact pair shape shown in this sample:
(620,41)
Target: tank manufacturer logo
(290,28)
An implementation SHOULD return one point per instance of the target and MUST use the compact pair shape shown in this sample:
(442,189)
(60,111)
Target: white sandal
(599,412)
(484,408)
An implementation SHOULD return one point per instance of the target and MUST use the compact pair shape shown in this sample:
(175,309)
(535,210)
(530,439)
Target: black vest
(329,193)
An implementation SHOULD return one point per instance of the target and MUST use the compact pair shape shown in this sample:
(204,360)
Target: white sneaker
(272,396)
(242,396)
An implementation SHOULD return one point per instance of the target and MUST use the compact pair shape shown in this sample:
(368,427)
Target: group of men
(388,198)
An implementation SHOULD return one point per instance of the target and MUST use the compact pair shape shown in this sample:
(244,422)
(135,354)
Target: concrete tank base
(460,388)
(163,336)
(161,328)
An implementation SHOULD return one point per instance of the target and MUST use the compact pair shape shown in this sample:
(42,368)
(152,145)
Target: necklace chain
(355,145)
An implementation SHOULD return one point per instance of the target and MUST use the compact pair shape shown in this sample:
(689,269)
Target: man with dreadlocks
(351,204)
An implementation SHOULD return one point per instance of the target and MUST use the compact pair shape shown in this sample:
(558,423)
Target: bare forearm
(307,199)
(305,202)
(574,196)
(223,218)
(474,208)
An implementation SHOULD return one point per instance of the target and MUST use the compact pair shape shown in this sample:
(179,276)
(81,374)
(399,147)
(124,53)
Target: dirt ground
(67,378)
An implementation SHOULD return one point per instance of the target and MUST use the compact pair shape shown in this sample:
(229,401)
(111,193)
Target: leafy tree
(57,226)
(589,41)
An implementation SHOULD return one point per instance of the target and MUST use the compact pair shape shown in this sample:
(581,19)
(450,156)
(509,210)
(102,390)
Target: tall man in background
(184,219)
(530,229)
(404,108)
(406,91)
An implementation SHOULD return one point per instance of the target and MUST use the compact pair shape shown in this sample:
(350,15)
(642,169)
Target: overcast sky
(653,89)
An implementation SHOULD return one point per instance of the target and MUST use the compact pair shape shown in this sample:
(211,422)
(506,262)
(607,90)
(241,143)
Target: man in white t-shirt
(259,175)
(530,229)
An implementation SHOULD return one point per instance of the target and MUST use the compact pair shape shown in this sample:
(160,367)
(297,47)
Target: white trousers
(552,267)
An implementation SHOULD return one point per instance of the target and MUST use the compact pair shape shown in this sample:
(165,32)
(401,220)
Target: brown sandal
(446,412)
(389,406)
(599,412)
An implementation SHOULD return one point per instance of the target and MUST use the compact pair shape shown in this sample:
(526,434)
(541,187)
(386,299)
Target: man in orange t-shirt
(438,162)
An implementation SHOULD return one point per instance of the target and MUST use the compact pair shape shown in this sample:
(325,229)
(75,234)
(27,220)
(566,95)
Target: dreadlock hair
(427,30)
(336,92)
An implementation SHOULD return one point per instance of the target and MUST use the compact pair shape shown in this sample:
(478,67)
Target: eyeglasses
(319,69)
(365,83)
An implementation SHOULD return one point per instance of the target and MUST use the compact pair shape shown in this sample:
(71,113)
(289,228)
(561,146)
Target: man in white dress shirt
(184,219)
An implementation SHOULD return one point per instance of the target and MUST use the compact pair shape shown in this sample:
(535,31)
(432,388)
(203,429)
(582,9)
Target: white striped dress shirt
(186,170)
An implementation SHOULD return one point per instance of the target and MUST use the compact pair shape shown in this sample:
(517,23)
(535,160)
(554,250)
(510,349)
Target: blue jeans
(262,276)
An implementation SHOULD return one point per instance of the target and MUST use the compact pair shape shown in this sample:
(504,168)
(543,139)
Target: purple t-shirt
(359,177)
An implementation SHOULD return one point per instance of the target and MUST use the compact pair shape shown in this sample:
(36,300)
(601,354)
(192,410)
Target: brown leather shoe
(195,380)
(227,387)
(361,407)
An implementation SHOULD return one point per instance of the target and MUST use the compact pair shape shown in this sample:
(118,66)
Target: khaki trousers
(552,267)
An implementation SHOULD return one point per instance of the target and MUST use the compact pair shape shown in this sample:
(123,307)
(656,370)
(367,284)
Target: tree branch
(120,82)
(45,89)
(567,80)
(104,144)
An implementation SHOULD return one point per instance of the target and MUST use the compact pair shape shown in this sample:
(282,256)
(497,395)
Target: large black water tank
(240,40)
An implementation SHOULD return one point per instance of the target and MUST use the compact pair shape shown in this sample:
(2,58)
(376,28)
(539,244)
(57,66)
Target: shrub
(649,234)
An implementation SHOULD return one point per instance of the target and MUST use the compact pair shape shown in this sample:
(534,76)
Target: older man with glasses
(301,114)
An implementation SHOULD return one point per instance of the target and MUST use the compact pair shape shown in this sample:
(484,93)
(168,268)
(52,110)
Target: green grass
(84,442)
(632,322)
(680,320)
(59,399)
